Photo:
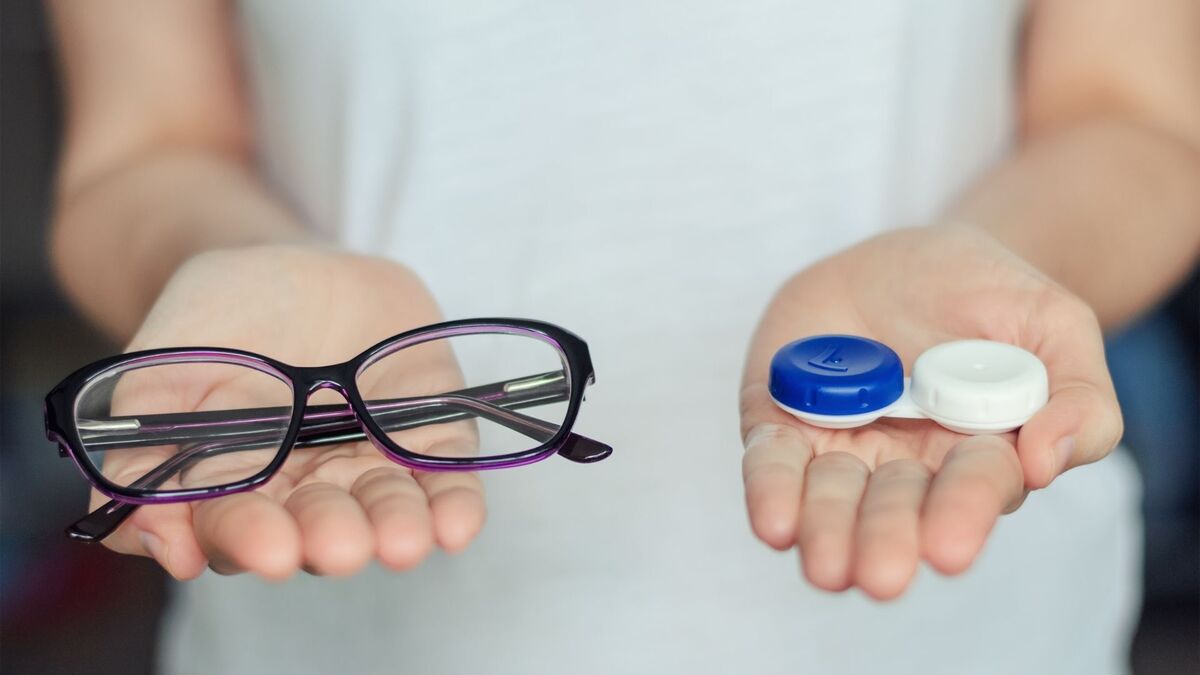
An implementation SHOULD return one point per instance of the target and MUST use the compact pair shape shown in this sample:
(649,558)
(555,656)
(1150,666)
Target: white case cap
(979,386)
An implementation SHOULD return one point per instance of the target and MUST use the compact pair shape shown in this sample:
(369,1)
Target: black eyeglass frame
(62,427)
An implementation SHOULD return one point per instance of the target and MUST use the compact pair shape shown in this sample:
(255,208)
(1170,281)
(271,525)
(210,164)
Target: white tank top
(646,174)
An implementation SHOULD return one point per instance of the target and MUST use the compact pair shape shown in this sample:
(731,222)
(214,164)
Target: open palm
(865,505)
(330,509)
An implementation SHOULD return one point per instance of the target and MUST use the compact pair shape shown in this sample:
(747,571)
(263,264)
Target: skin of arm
(157,160)
(1103,193)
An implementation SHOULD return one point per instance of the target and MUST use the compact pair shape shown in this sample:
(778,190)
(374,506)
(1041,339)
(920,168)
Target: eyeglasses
(179,424)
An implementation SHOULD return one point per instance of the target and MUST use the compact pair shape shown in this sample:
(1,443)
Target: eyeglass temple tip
(74,533)
(584,450)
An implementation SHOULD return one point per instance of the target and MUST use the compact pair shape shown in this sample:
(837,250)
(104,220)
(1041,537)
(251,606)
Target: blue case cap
(836,375)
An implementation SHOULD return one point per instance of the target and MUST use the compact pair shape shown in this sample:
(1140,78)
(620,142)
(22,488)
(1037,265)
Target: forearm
(117,239)
(1110,209)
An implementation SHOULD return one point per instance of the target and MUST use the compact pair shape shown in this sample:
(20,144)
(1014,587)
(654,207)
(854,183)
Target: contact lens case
(968,386)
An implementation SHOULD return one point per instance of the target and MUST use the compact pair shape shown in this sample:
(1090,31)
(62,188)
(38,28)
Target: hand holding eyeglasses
(865,504)
(317,467)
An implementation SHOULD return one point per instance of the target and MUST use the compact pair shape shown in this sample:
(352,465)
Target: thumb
(163,532)
(1081,422)
(1079,425)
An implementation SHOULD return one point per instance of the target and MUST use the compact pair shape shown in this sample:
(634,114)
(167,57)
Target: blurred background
(71,608)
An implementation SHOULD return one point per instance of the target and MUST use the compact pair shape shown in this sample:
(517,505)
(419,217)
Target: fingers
(871,529)
(248,532)
(1081,422)
(833,489)
(321,526)
(336,537)
(163,532)
(887,541)
(980,479)
(456,507)
(773,474)
(773,467)
(399,512)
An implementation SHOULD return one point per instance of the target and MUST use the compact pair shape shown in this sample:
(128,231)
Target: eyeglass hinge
(108,425)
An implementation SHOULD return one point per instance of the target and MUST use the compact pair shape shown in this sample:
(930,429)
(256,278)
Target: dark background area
(71,608)
(64,607)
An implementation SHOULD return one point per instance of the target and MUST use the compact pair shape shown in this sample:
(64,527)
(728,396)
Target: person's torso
(644,174)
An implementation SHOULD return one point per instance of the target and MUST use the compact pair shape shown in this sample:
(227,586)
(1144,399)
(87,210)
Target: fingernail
(1063,451)
(155,547)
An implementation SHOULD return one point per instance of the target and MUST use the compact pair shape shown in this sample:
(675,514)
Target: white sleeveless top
(646,174)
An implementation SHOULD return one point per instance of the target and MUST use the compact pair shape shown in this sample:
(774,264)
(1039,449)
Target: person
(681,187)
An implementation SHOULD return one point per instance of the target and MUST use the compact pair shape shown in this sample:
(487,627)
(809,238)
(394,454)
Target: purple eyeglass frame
(324,424)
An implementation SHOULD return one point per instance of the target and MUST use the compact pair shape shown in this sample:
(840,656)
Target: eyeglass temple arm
(467,408)
(105,519)
(141,430)
(329,423)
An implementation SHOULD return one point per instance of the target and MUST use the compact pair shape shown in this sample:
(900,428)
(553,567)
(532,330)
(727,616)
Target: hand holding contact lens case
(968,386)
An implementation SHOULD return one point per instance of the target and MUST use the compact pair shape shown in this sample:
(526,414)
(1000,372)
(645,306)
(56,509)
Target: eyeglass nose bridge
(336,377)
(325,383)
(313,380)
(327,378)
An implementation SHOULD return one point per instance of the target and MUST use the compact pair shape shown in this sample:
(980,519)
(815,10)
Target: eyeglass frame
(62,427)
